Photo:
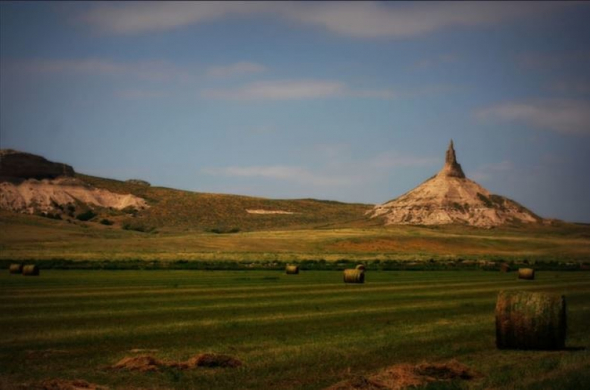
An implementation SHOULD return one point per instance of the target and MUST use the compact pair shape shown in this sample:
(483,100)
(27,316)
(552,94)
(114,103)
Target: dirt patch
(145,363)
(405,376)
(142,363)
(212,360)
(65,384)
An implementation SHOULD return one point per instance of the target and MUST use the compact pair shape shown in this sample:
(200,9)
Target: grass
(303,331)
(177,210)
(26,237)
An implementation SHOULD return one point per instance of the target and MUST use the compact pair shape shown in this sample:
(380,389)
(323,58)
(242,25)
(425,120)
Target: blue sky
(347,101)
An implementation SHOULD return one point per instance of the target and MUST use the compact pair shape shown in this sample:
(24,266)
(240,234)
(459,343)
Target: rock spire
(448,198)
(452,168)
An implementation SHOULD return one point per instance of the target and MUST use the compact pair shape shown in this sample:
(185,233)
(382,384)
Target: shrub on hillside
(86,216)
(224,230)
(138,227)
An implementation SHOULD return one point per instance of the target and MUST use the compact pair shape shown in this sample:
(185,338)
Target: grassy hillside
(31,237)
(176,210)
(306,331)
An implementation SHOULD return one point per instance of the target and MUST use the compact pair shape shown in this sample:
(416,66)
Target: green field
(306,331)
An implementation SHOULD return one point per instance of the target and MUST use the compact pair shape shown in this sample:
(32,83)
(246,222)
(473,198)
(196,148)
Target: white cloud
(156,70)
(239,68)
(136,94)
(328,165)
(570,87)
(293,89)
(355,19)
(488,171)
(279,90)
(280,172)
(434,61)
(552,60)
(138,17)
(89,65)
(261,130)
(562,115)
(396,159)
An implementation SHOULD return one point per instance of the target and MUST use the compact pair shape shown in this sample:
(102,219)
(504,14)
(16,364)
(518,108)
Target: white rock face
(33,195)
(261,211)
(449,197)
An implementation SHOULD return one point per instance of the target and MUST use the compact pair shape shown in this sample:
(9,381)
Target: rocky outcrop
(51,195)
(452,168)
(449,197)
(32,184)
(15,164)
(138,182)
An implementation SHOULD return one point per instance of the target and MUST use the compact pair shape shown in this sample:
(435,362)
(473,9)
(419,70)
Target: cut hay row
(299,318)
(526,273)
(232,288)
(211,305)
(239,309)
(401,325)
(185,295)
(530,320)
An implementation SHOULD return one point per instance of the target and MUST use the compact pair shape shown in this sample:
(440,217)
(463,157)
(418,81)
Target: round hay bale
(360,267)
(292,270)
(505,267)
(530,320)
(354,276)
(31,270)
(526,273)
(15,269)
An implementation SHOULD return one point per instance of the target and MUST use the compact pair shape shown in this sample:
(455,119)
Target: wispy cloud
(488,171)
(437,60)
(239,68)
(561,115)
(156,70)
(138,94)
(296,174)
(139,17)
(354,19)
(570,87)
(396,159)
(333,165)
(294,89)
(552,60)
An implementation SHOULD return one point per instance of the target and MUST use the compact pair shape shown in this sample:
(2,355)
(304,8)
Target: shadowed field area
(305,331)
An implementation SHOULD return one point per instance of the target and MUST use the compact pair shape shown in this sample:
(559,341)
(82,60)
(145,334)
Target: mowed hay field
(303,331)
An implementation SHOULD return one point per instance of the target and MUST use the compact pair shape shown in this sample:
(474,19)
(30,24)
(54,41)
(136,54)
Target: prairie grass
(302,332)
(26,237)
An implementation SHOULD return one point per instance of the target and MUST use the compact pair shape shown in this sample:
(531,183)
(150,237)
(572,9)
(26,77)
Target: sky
(347,101)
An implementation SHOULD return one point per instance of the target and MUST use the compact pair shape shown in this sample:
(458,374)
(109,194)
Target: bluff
(450,197)
(15,164)
(32,184)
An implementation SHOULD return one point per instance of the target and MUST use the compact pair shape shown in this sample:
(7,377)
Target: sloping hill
(184,210)
(33,185)
(449,197)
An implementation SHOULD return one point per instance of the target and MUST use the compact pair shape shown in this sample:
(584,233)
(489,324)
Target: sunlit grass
(294,332)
